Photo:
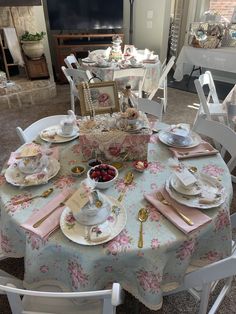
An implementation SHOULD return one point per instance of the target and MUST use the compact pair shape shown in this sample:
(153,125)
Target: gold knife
(161,198)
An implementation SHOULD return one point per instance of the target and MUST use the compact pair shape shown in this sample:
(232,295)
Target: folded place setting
(183,194)
(64,132)
(85,216)
(184,143)
(32,164)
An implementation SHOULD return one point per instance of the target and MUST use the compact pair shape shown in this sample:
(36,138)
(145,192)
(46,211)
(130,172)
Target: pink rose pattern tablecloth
(147,272)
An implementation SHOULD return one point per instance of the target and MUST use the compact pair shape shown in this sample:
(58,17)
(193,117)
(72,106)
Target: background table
(151,79)
(222,59)
(146,273)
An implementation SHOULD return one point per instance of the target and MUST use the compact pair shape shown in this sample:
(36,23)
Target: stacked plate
(207,192)
(170,139)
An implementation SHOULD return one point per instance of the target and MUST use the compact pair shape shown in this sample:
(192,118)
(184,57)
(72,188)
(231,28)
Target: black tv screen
(85,14)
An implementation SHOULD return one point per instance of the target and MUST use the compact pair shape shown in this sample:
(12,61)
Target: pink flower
(186,249)
(5,243)
(155,243)
(118,244)
(213,170)
(35,241)
(154,215)
(44,269)
(155,167)
(64,181)
(11,207)
(149,281)
(222,220)
(70,219)
(212,256)
(78,276)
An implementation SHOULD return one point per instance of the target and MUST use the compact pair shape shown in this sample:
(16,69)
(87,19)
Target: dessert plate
(191,141)
(15,177)
(50,135)
(210,187)
(78,233)
(179,187)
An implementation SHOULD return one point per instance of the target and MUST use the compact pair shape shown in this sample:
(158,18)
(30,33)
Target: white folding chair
(210,104)
(201,282)
(71,62)
(222,134)
(32,131)
(162,83)
(51,298)
(74,76)
(129,75)
(151,107)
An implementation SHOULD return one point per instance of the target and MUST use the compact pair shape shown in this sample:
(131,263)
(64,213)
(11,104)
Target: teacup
(30,165)
(67,126)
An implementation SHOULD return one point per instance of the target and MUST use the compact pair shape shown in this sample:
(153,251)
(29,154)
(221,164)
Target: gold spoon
(129,177)
(142,217)
(26,199)
(192,169)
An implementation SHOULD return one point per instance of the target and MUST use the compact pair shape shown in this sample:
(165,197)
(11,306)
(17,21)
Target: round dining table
(148,272)
(151,80)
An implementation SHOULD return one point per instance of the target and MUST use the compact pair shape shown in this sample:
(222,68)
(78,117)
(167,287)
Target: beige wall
(41,26)
(156,37)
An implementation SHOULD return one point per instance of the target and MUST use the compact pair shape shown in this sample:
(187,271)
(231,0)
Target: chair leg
(108,308)
(72,102)
(204,298)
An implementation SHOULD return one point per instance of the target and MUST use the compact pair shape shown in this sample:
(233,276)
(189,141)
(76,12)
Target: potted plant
(32,44)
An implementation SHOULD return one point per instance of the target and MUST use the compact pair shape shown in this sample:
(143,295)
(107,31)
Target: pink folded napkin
(203,149)
(52,152)
(198,218)
(52,222)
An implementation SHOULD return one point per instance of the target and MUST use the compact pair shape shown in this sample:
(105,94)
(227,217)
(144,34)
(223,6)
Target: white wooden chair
(49,298)
(162,83)
(32,131)
(222,135)
(151,107)
(74,76)
(71,62)
(201,282)
(134,73)
(210,104)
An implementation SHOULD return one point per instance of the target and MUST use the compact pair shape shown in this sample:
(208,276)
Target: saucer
(74,132)
(192,141)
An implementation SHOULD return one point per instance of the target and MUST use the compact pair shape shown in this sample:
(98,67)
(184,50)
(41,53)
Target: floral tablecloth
(146,273)
(151,79)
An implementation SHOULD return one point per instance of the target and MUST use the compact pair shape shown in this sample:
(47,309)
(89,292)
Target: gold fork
(161,198)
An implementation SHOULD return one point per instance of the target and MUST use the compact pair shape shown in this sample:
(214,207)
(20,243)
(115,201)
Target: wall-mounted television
(85,15)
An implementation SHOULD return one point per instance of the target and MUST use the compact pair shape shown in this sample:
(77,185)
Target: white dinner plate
(15,177)
(192,141)
(79,233)
(50,135)
(210,185)
(180,188)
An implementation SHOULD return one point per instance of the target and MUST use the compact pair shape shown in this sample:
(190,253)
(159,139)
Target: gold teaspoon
(26,199)
(142,217)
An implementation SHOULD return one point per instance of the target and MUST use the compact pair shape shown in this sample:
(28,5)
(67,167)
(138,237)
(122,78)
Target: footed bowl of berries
(104,175)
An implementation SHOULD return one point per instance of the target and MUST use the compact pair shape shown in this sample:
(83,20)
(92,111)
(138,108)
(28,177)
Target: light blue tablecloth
(145,273)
